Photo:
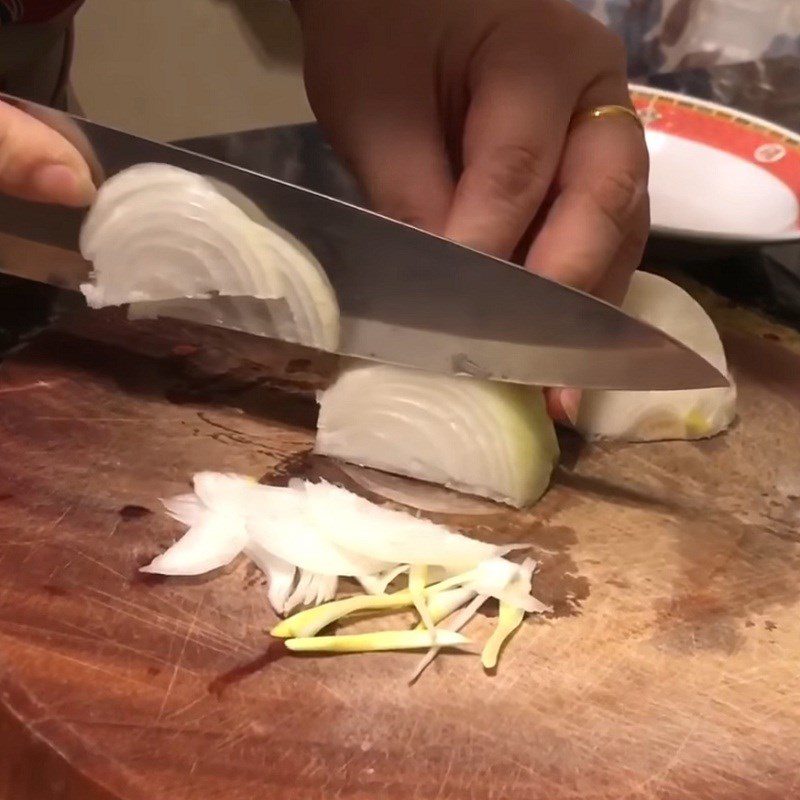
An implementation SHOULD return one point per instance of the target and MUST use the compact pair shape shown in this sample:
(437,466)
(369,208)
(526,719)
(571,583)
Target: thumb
(36,163)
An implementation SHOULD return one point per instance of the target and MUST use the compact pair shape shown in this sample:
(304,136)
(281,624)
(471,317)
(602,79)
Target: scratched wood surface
(670,668)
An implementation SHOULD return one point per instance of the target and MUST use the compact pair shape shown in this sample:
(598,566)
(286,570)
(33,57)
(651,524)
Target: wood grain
(669,669)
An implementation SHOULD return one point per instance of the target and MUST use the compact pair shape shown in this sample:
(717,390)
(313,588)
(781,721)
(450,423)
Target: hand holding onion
(456,117)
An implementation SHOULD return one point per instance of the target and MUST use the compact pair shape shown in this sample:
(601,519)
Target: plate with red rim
(718,174)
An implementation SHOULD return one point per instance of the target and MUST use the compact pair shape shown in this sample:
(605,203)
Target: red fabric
(33,10)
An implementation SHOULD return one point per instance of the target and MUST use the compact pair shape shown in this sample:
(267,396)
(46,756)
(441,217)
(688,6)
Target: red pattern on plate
(771,150)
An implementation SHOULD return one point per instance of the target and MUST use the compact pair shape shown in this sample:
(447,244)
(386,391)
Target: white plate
(718,174)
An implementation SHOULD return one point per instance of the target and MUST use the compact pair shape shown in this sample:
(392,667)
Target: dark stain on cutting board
(700,621)
(133,511)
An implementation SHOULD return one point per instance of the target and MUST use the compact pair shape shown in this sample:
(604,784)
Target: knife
(406,297)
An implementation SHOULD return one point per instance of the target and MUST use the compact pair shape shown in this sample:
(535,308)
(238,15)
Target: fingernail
(57,183)
(571,403)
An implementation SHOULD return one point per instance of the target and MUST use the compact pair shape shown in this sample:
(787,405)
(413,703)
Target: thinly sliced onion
(443,604)
(458,622)
(279,522)
(210,543)
(480,437)
(320,529)
(391,536)
(280,575)
(185,508)
(304,536)
(417,579)
(510,583)
(326,588)
(509,619)
(224,492)
(378,641)
(311,589)
(650,416)
(312,620)
(378,584)
(171,242)
(439,601)
(297,538)
(501,579)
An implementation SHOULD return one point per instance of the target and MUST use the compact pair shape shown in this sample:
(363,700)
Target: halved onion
(170,242)
(651,416)
(480,437)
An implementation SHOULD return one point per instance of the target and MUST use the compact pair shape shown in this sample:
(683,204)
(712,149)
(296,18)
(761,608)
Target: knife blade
(406,297)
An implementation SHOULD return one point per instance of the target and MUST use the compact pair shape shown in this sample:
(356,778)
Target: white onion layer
(173,243)
(651,416)
(305,536)
(480,437)
(391,536)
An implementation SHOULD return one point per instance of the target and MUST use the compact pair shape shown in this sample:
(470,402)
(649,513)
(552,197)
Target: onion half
(173,243)
(652,416)
(480,437)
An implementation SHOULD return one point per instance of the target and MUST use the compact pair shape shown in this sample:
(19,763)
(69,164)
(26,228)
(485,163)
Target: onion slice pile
(306,536)
(652,416)
(480,437)
(173,243)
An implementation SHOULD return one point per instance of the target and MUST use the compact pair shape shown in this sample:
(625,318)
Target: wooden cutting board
(670,668)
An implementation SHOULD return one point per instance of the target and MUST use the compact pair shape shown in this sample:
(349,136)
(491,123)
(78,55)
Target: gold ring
(608,111)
